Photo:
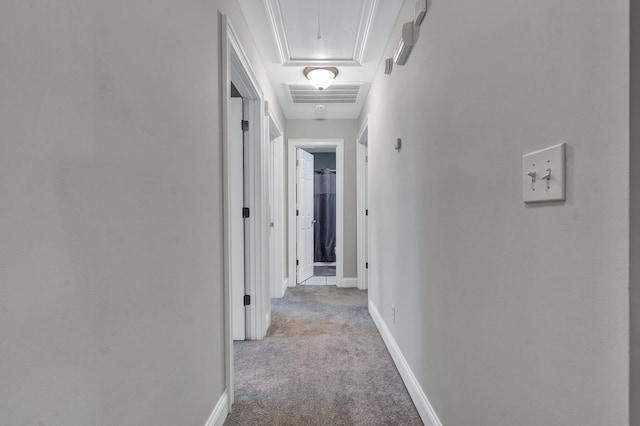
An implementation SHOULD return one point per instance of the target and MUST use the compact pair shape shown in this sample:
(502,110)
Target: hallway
(322,363)
(134,198)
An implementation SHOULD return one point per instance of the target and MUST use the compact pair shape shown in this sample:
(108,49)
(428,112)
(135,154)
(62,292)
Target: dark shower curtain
(325,215)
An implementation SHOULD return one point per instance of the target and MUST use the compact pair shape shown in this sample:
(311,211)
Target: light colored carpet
(322,363)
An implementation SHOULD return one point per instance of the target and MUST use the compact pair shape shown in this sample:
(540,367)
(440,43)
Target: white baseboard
(426,411)
(283,290)
(219,413)
(291,282)
(362,285)
(349,282)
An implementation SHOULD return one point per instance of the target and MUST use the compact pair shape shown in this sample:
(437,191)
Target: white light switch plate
(536,166)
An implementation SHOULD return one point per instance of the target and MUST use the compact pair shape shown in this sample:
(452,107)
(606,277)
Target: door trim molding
(235,66)
(294,144)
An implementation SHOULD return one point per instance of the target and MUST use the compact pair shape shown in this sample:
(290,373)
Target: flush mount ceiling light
(321,77)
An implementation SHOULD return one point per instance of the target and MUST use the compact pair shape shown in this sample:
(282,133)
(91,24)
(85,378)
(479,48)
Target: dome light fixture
(321,77)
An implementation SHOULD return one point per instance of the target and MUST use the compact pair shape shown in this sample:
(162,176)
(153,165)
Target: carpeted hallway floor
(322,363)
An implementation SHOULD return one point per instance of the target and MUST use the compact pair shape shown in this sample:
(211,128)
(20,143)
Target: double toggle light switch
(544,175)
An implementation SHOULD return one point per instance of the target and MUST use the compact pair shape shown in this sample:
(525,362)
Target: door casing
(236,67)
(292,146)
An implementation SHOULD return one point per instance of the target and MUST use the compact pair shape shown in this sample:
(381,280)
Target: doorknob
(313,222)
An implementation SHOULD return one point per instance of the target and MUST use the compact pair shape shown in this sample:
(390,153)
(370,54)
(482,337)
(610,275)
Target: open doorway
(245,205)
(324,216)
(245,239)
(315,212)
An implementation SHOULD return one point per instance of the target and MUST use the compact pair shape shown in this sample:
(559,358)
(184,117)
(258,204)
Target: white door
(236,222)
(273,258)
(366,217)
(304,213)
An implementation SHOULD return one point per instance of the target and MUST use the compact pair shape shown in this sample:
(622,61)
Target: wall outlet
(393,313)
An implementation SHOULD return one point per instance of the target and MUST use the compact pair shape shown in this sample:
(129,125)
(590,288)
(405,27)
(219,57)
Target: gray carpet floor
(322,363)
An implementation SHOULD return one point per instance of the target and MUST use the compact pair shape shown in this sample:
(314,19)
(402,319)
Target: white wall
(337,129)
(111,303)
(635,215)
(507,314)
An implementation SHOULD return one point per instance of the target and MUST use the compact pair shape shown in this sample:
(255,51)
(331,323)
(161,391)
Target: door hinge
(247,300)
(245,126)
(245,212)
(297,262)
(366,159)
(366,265)
(297,163)
(297,212)
(366,212)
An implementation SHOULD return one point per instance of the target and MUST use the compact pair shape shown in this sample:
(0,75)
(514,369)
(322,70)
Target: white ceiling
(306,20)
(353,35)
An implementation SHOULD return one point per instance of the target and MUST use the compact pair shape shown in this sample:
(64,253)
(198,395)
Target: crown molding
(274,13)
(369,10)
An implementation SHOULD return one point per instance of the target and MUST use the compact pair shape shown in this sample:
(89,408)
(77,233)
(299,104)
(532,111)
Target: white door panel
(305,221)
(366,218)
(236,174)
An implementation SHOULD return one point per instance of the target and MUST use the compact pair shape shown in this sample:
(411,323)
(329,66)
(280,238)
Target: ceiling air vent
(334,94)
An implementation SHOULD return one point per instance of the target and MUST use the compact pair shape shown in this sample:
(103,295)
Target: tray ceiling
(320,32)
(353,36)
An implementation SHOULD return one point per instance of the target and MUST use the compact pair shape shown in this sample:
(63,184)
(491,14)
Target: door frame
(236,67)
(361,202)
(293,145)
